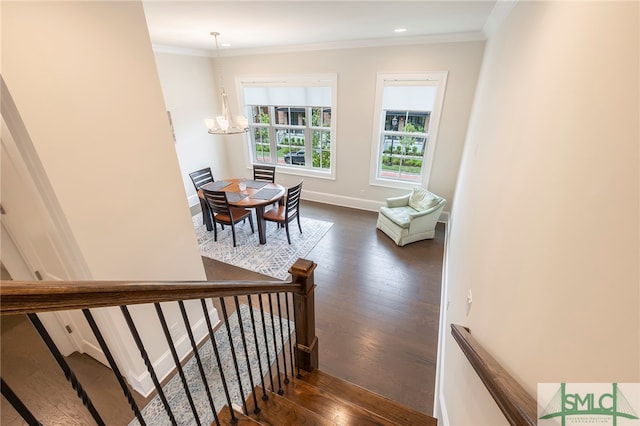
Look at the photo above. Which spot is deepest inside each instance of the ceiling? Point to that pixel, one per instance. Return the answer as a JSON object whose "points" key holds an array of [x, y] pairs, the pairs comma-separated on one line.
{"points": [[261, 26]]}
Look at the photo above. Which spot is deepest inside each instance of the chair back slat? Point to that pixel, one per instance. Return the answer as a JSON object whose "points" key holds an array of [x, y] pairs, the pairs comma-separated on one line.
{"points": [[201, 177], [217, 201], [264, 173], [222, 213], [293, 200]]}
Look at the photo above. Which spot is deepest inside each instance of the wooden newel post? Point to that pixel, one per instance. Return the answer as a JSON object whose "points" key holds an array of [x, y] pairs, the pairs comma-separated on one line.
{"points": [[305, 313]]}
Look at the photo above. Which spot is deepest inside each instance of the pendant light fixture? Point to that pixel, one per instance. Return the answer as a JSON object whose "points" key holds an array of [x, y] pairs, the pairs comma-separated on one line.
{"points": [[225, 124]]}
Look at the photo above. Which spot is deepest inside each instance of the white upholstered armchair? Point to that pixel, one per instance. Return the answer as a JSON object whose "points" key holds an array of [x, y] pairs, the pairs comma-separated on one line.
{"points": [[411, 217]]}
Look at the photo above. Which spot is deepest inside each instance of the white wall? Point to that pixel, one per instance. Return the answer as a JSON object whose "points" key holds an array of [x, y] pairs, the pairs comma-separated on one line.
{"points": [[545, 229], [189, 91], [84, 80], [357, 70]]}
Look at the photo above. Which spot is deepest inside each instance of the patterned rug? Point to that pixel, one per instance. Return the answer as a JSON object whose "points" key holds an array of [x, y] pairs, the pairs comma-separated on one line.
{"points": [[154, 412], [273, 258]]}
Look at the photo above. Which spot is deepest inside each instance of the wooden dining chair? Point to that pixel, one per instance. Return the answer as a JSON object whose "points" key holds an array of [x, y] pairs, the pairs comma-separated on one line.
{"points": [[224, 214], [264, 173], [199, 178], [288, 210]]}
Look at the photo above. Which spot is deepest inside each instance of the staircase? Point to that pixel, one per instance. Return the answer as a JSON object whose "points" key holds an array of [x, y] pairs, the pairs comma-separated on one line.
{"points": [[317, 398], [309, 397]]}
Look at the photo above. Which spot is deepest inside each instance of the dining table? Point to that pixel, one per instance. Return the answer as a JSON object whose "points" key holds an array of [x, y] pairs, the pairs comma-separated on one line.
{"points": [[246, 194]]}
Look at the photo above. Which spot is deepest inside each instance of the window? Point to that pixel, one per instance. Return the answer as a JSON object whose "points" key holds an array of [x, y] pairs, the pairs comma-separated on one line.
{"points": [[405, 127], [291, 122]]}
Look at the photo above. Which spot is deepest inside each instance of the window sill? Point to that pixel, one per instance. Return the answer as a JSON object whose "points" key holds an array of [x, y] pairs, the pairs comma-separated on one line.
{"points": [[296, 171], [388, 183]]}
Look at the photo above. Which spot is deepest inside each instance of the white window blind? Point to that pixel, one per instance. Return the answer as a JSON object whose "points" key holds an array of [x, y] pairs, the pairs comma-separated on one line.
{"points": [[410, 96], [288, 95]]}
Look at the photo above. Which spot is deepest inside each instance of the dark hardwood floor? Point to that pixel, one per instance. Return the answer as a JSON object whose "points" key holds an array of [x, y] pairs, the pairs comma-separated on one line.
{"points": [[377, 307], [377, 311], [377, 304]]}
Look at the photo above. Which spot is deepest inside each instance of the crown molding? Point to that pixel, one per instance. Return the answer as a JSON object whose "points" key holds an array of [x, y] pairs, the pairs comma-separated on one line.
{"points": [[500, 11], [353, 44], [158, 48]]}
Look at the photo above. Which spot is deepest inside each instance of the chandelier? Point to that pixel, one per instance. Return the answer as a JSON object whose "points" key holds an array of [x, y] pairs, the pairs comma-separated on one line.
{"points": [[225, 124]]}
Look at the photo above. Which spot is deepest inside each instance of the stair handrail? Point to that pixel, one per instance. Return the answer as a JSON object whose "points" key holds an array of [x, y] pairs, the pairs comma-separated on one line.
{"points": [[31, 297], [518, 407], [21, 297]]}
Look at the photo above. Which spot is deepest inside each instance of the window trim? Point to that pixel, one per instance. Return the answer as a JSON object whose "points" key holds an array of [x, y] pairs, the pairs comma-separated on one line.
{"points": [[327, 79], [440, 80]]}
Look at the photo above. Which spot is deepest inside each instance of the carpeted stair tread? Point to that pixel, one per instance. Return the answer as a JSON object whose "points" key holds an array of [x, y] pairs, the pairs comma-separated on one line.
{"points": [[330, 405], [225, 418], [378, 404], [279, 411]]}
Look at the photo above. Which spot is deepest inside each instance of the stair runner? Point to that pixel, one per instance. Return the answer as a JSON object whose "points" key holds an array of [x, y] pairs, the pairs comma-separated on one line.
{"points": [[321, 399]]}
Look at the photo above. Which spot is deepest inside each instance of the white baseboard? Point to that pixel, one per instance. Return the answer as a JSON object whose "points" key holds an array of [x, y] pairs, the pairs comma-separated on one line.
{"points": [[94, 352], [342, 201], [193, 200], [439, 404], [444, 217], [322, 197], [354, 203], [338, 200], [164, 365], [440, 411]]}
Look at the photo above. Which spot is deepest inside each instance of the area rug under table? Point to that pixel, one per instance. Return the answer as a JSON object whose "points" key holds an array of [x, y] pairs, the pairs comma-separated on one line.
{"points": [[273, 258]]}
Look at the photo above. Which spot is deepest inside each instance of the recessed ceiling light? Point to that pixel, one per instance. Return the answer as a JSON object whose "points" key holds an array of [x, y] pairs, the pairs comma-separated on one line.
{"points": [[399, 30]]}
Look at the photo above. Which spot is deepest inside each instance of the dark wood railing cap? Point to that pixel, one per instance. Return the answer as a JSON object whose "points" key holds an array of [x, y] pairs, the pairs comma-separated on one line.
{"points": [[302, 267], [19, 297], [302, 272]]}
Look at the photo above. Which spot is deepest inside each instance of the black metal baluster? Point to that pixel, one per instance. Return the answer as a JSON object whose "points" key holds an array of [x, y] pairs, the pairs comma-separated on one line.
{"points": [[275, 347], [147, 362], [256, 409], [286, 302], [233, 354], [176, 359], [114, 366], [18, 405], [266, 343], [68, 374], [295, 326], [194, 346], [212, 336], [255, 339], [284, 350]]}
